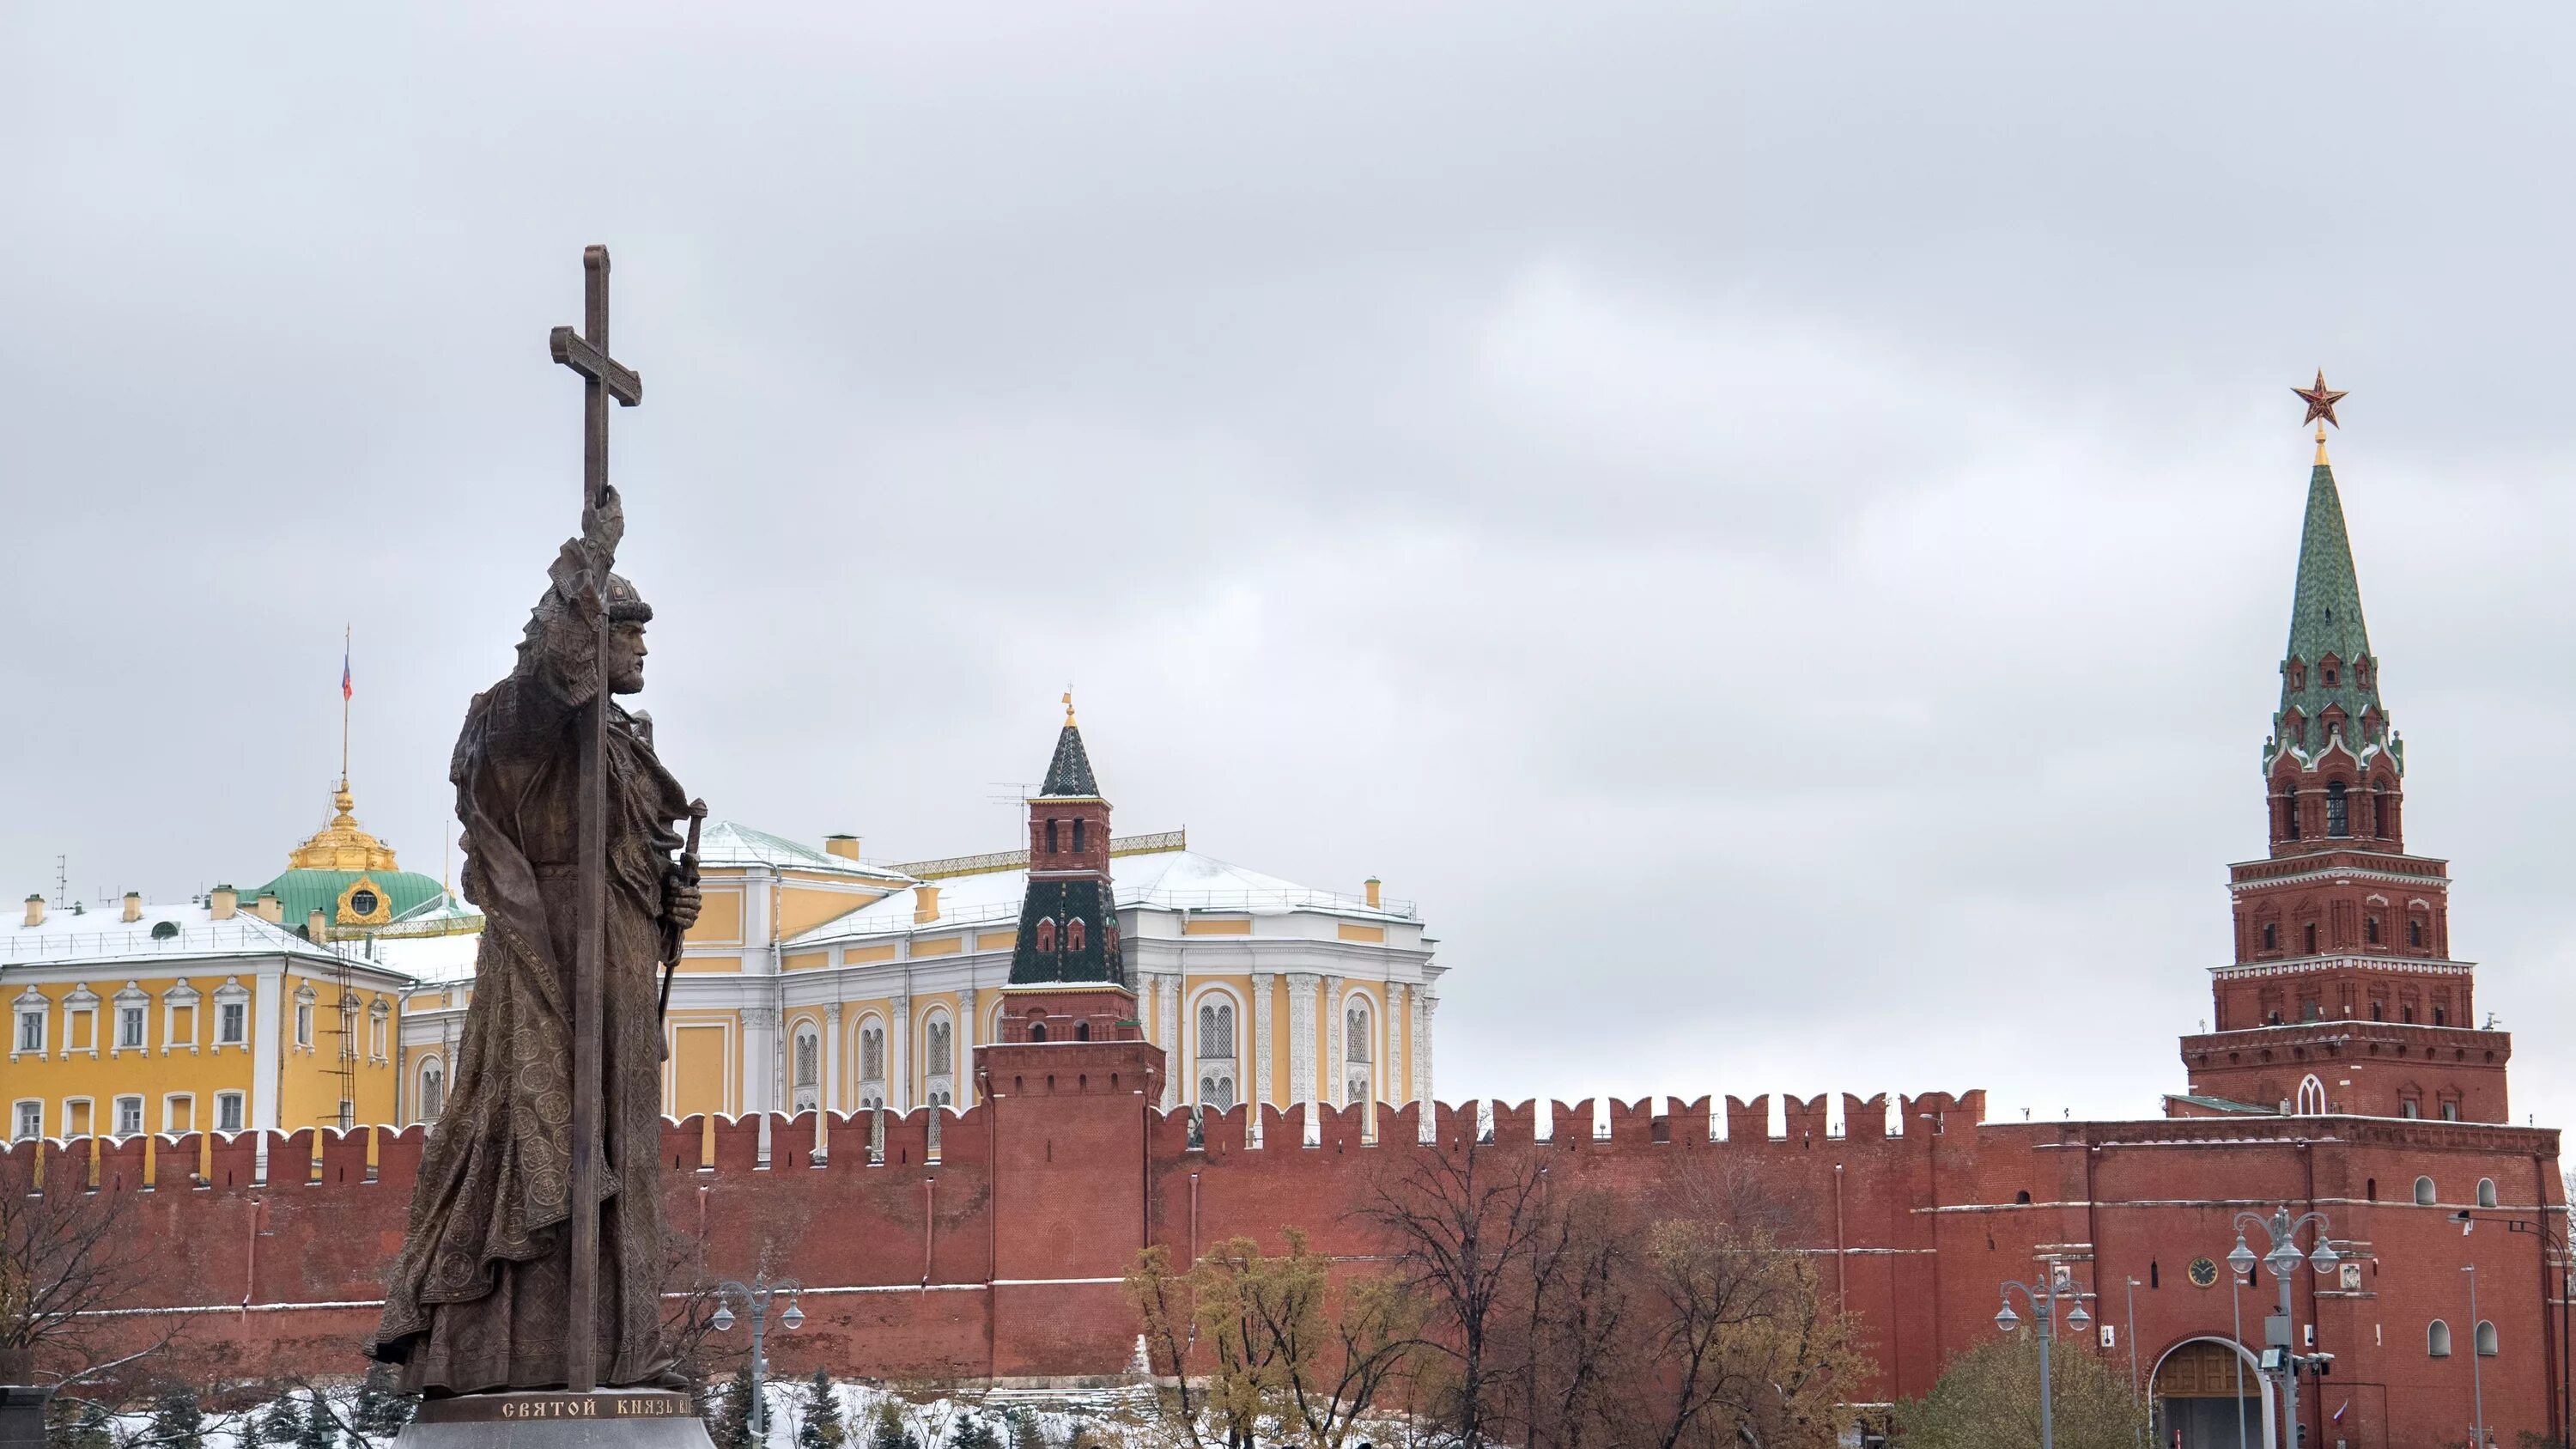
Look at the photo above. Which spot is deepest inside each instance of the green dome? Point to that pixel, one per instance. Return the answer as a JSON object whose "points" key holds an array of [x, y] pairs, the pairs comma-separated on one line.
{"points": [[301, 892]]}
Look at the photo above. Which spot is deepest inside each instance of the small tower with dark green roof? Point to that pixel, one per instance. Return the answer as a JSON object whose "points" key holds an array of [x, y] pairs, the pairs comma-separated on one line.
{"points": [[1068, 967]]}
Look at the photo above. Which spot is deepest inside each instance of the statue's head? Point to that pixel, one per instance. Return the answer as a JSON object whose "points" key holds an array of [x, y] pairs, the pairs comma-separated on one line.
{"points": [[558, 641], [627, 616]]}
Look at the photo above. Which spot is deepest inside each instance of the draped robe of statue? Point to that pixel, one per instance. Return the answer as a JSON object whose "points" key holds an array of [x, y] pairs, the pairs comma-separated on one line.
{"points": [[478, 1298]]}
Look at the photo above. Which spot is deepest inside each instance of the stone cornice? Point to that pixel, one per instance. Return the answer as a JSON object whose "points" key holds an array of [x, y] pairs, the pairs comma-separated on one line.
{"points": [[2238, 883], [2318, 965]]}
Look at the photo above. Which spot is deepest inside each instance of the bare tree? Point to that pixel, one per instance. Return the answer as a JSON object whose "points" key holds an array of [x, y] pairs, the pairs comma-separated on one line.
{"points": [[66, 1254], [1462, 1221]]}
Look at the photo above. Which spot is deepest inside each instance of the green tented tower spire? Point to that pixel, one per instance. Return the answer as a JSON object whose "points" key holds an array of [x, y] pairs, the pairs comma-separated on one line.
{"points": [[2329, 677]]}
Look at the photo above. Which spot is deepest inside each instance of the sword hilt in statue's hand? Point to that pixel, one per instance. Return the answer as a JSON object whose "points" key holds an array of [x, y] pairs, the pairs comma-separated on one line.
{"points": [[688, 873]]}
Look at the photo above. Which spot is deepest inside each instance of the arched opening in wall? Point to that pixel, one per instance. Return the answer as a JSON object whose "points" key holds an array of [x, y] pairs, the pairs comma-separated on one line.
{"points": [[2370, 930], [2206, 1392], [2424, 1194], [2289, 815], [1046, 935], [808, 1069], [2437, 1339], [1037, 1032], [2022, 1197], [1214, 1050], [2370, 1189], [1082, 1031], [938, 1059], [2415, 934], [872, 1062], [1073, 934], [1051, 840], [2312, 1096], [2486, 1192], [2312, 937], [2338, 810], [2486, 1339], [433, 1089], [1077, 835], [2155, 1274], [2271, 936], [1357, 1085], [2379, 810]]}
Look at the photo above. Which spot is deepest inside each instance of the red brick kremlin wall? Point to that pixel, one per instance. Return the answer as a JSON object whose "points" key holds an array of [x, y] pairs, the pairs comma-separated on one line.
{"points": [[1000, 1253]]}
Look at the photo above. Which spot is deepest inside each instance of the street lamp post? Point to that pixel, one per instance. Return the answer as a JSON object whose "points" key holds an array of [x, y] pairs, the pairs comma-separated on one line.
{"points": [[2132, 1331], [2477, 1383], [2236, 1319], [755, 1297], [2056, 1283], [2281, 1256], [2553, 1240]]}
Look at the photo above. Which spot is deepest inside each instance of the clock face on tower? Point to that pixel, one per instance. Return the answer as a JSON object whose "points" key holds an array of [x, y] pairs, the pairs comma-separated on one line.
{"points": [[2203, 1272]]}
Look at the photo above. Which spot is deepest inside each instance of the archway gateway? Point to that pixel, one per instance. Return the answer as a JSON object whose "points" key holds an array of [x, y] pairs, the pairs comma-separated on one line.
{"points": [[2195, 1393]]}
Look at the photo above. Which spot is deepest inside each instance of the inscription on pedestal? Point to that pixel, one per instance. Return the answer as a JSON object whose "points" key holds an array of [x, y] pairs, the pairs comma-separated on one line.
{"points": [[606, 1404]]}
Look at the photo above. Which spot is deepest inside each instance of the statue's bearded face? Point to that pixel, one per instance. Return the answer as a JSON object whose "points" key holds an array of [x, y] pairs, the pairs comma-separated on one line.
{"points": [[626, 656]]}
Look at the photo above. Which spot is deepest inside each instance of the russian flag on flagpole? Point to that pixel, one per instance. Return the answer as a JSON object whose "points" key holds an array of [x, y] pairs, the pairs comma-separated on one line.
{"points": [[344, 669]]}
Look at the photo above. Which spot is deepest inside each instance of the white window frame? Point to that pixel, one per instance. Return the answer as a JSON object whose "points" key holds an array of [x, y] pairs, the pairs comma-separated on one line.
{"points": [[804, 1047], [1359, 1048], [229, 1010], [181, 997], [938, 1088], [68, 1104], [18, 1119], [377, 1015], [81, 1002], [305, 996], [872, 1089], [2312, 1097], [1207, 1068], [240, 1113], [119, 1105], [132, 1013], [31, 1003], [170, 1102], [422, 1109], [2486, 1192]]}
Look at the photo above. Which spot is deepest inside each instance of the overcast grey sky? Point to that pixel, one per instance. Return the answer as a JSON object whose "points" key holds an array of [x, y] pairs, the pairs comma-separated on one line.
{"points": [[1774, 523]]}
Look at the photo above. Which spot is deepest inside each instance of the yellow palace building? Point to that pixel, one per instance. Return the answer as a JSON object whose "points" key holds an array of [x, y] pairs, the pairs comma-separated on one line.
{"points": [[334, 994], [816, 979]]}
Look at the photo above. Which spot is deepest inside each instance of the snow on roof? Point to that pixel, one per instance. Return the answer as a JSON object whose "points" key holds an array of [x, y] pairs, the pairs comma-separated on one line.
{"points": [[1163, 880], [725, 843], [433, 959], [183, 929]]}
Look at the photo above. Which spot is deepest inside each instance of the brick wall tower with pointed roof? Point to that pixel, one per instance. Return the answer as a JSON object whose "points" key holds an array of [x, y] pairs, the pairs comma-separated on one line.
{"points": [[1068, 967], [2342, 995]]}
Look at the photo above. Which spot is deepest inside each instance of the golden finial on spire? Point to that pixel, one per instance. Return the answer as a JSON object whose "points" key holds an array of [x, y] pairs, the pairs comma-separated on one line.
{"points": [[2321, 445], [1068, 706]]}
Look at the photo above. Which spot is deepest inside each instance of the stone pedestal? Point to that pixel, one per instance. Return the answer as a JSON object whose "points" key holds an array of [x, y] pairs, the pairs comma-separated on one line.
{"points": [[644, 1418], [22, 1416]]}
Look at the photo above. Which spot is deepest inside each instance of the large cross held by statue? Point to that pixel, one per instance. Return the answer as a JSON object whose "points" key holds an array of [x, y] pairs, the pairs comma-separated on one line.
{"points": [[603, 377]]}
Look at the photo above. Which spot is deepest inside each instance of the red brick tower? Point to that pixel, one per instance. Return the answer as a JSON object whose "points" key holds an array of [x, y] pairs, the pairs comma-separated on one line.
{"points": [[2342, 996], [1069, 1087]]}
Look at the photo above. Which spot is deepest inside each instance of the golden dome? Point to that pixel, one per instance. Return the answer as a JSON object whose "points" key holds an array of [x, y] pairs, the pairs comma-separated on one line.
{"points": [[341, 845]]}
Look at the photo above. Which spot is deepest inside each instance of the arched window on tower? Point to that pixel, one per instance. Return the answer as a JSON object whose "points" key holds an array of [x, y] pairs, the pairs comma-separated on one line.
{"points": [[1073, 934], [1077, 835], [1046, 935], [2289, 815], [1051, 837], [2312, 1097], [2437, 1340], [2379, 809], [2271, 936], [2312, 937], [2338, 810], [2370, 929]]}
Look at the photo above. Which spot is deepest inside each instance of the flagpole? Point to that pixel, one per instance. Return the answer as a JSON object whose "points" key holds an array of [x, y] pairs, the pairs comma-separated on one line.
{"points": [[344, 707]]}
